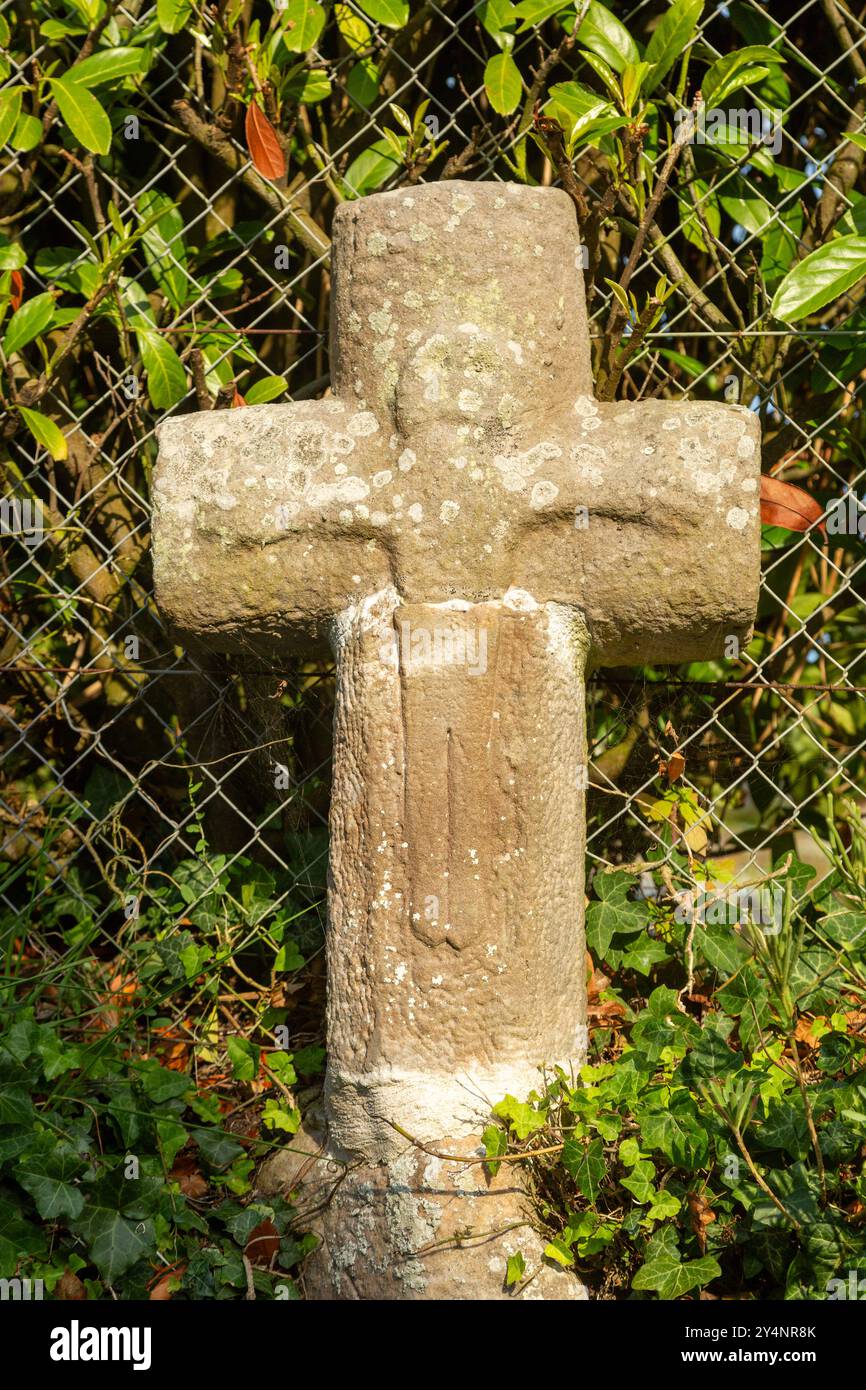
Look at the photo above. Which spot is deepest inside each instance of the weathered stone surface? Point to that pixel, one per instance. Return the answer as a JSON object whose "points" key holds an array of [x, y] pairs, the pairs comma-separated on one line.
{"points": [[469, 531]]}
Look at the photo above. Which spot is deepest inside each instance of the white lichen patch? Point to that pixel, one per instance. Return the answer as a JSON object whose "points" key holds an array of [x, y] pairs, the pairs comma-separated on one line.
{"points": [[406, 460], [543, 493], [362, 424], [737, 518], [448, 511]]}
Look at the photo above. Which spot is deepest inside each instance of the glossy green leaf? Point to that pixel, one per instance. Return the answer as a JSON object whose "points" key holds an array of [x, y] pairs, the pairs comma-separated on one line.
{"points": [[10, 109], [166, 378], [302, 21], [108, 64], [83, 114], [605, 35], [392, 13], [173, 15], [503, 84], [821, 277], [735, 70], [34, 316], [265, 390], [45, 432], [670, 37], [371, 168]]}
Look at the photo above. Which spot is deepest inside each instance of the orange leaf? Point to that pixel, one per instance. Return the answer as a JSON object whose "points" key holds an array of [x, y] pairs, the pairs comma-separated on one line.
{"points": [[782, 504], [265, 149], [673, 768], [237, 399], [263, 1244], [17, 290]]}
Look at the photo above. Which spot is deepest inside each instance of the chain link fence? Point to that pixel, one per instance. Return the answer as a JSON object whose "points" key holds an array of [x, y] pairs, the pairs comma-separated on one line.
{"points": [[129, 763]]}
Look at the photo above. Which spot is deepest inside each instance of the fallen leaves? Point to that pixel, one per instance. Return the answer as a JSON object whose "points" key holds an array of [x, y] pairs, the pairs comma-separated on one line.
{"points": [[782, 504], [265, 149], [263, 1243]]}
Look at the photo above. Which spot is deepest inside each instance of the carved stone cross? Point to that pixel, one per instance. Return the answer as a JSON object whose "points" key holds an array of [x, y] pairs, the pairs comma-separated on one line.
{"points": [[470, 531]]}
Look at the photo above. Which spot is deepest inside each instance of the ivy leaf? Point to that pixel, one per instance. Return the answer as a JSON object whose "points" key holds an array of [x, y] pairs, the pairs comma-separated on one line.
{"points": [[503, 83], [515, 1269], [114, 1243], [522, 1118], [16, 1107], [677, 1133], [47, 1177], [616, 912], [559, 1251], [640, 1181], [820, 277], [667, 1276], [586, 1165], [83, 114], [495, 1141]]}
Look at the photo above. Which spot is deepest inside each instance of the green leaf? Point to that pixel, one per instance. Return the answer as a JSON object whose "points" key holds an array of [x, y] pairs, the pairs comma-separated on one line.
{"points": [[821, 277], [27, 133], [265, 390], [166, 378], [307, 86], [498, 16], [640, 1181], [28, 322], [736, 70], [83, 114], [495, 1141], [244, 1058], [371, 168], [559, 1251], [603, 33], [45, 432], [114, 1243], [362, 84], [10, 109], [669, 38], [699, 209], [616, 912], [503, 83], [109, 64], [12, 254], [307, 20], [534, 12], [665, 1273], [47, 1177], [392, 13], [514, 1269], [677, 1132], [586, 1165], [163, 246], [16, 1107], [522, 1118], [173, 15]]}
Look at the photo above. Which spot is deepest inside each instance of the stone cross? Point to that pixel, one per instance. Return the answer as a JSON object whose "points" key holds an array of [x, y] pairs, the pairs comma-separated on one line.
{"points": [[470, 531]]}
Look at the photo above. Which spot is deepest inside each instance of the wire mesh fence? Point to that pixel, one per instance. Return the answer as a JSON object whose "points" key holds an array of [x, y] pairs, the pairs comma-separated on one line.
{"points": [[129, 764]]}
